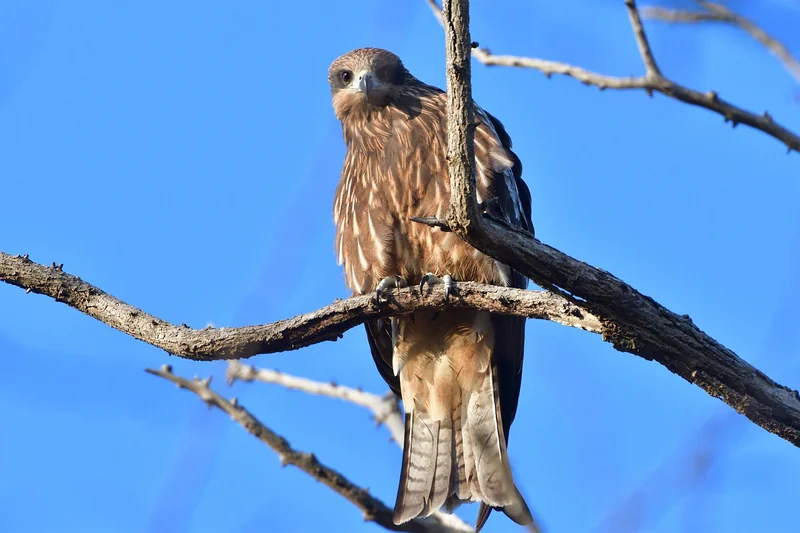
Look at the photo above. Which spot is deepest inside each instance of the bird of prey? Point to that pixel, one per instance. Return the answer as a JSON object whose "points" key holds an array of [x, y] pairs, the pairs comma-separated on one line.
{"points": [[457, 371]]}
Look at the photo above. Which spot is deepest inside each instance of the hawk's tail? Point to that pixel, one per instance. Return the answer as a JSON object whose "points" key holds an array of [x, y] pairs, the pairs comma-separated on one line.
{"points": [[454, 448]]}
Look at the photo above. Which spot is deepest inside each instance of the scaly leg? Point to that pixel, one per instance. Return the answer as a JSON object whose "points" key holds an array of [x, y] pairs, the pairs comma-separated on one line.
{"points": [[431, 279], [390, 282]]}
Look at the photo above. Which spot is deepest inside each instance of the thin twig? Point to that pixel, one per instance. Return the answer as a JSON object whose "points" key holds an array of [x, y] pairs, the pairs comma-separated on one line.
{"points": [[385, 409], [718, 13], [328, 323], [649, 83], [641, 41], [372, 508]]}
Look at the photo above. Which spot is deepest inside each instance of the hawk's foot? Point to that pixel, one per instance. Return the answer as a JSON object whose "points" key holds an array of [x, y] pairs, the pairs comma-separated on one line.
{"points": [[390, 282], [431, 279]]}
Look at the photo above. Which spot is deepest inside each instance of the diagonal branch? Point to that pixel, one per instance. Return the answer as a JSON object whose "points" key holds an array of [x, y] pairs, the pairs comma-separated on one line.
{"points": [[385, 409], [641, 41], [649, 83], [633, 322], [328, 323], [373, 509], [714, 12]]}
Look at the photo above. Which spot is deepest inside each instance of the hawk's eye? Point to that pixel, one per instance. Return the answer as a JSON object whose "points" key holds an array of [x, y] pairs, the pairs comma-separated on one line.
{"points": [[346, 76]]}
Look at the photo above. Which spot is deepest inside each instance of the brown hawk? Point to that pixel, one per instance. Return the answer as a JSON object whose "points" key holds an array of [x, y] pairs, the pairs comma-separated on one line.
{"points": [[457, 371]]}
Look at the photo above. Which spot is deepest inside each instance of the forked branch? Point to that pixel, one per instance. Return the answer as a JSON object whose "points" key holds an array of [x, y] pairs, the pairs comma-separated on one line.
{"points": [[372, 508], [718, 13], [652, 81], [385, 409]]}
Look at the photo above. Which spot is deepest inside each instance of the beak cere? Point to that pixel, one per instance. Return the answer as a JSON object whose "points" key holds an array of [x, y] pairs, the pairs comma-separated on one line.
{"points": [[365, 83]]}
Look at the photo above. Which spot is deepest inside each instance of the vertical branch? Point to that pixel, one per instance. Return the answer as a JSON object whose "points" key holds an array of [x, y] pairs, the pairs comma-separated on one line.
{"points": [[463, 209]]}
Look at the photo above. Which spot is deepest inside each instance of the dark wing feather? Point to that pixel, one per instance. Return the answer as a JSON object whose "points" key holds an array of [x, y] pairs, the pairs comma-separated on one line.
{"points": [[504, 196], [379, 336], [509, 331]]}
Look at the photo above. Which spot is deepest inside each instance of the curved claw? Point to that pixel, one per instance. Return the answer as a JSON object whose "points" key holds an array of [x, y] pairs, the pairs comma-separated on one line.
{"points": [[389, 282], [425, 279], [431, 279], [449, 287]]}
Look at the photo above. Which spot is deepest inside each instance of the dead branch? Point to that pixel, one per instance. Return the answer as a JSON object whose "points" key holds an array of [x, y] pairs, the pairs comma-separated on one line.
{"points": [[632, 322], [651, 69], [718, 13], [328, 323], [373, 509], [595, 300], [385, 409], [629, 320], [652, 81]]}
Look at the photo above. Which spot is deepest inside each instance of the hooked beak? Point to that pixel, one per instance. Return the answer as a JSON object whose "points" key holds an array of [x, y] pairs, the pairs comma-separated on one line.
{"points": [[366, 83]]}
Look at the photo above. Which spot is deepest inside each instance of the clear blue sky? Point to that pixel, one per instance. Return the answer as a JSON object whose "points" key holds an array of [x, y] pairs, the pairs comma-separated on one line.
{"points": [[183, 156]]}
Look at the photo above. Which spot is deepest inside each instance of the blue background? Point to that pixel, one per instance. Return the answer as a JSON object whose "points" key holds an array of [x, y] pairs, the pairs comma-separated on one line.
{"points": [[183, 156]]}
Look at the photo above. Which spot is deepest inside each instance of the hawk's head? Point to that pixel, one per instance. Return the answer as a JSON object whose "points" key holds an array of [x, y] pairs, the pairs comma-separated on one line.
{"points": [[364, 78]]}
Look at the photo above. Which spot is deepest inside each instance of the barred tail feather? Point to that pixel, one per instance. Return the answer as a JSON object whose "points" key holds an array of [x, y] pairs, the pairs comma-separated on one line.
{"points": [[443, 475], [460, 457], [515, 507], [426, 478]]}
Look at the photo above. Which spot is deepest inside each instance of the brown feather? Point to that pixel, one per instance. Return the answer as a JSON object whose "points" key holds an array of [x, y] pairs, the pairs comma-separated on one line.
{"points": [[457, 372]]}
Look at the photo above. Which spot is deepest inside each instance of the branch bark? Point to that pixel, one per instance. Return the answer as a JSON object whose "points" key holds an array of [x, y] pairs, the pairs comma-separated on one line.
{"points": [[460, 117], [373, 509], [632, 322], [652, 81], [328, 323]]}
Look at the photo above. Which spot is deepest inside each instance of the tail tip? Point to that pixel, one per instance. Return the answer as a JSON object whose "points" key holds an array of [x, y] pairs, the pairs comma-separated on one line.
{"points": [[517, 511]]}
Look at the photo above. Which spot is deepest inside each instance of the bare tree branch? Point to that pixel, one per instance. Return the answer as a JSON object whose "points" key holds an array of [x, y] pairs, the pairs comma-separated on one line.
{"points": [[714, 12], [596, 301], [373, 509], [385, 409], [641, 41], [651, 82], [629, 320], [633, 322], [328, 323], [460, 117], [601, 303]]}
